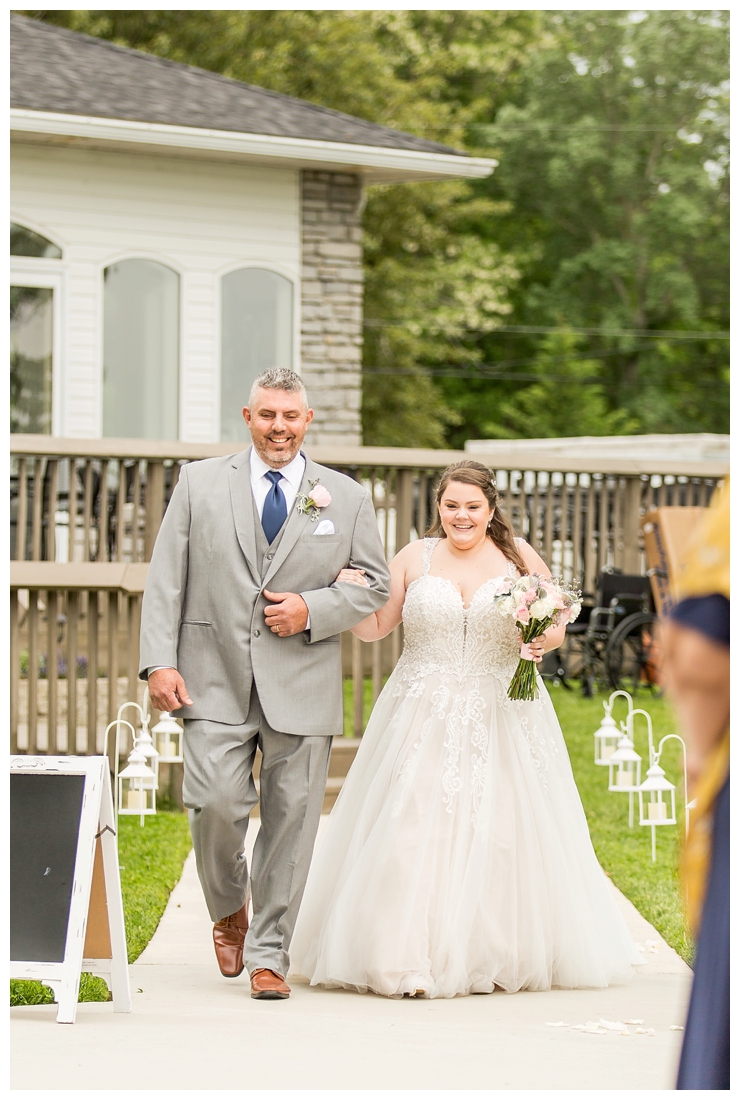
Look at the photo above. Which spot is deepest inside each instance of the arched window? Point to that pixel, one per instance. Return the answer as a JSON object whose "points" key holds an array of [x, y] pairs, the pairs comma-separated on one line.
{"points": [[141, 350], [256, 334], [24, 242]]}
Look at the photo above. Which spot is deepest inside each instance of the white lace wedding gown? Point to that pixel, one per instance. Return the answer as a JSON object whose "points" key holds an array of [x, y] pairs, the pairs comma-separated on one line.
{"points": [[457, 857]]}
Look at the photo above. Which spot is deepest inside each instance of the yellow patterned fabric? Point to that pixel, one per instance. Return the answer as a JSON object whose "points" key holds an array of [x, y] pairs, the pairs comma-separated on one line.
{"points": [[706, 572], [707, 561]]}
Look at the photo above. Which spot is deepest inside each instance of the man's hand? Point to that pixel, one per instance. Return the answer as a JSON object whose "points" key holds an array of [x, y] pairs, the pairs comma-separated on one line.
{"points": [[167, 690], [287, 613]]}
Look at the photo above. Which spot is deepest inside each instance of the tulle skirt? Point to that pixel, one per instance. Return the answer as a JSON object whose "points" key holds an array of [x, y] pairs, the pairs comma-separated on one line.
{"points": [[457, 858]]}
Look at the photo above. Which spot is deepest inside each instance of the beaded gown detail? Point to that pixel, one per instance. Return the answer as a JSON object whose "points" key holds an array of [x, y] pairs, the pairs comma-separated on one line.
{"points": [[457, 858]]}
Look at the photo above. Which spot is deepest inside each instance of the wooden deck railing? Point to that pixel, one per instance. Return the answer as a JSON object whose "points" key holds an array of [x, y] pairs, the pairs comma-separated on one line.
{"points": [[85, 515]]}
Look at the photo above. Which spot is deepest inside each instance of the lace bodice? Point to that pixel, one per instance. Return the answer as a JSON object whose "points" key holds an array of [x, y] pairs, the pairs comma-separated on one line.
{"points": [[442, 635]]}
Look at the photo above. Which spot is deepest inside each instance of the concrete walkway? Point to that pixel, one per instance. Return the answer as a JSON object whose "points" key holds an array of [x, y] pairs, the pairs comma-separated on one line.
{"points": [[192, 1029]]}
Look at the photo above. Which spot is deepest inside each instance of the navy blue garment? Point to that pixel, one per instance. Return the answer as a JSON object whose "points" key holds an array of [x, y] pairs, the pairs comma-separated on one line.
{"points": [[705, 1055], [275, 510], [709, 615]]}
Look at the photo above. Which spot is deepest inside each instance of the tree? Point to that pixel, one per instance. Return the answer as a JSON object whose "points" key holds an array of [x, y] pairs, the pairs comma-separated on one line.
{"points": [[614, 172], [567, 398]]}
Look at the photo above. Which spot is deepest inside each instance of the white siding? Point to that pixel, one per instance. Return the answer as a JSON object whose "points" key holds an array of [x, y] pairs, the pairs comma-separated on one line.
{"points": [[200, 218]]}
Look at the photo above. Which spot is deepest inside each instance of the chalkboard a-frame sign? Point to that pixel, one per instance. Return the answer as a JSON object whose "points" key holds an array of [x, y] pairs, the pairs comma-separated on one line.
{"points": [[66, 912]]}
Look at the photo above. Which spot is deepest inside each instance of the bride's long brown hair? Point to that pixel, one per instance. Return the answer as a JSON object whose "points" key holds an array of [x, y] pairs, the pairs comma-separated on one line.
{"points": [[499, 530]]}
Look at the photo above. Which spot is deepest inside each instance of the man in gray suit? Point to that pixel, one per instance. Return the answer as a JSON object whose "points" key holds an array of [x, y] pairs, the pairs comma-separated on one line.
{"points": [[240, 633]]}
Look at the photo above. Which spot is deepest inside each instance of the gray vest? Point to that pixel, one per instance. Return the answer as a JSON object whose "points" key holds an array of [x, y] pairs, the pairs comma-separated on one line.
{"points": [[265, 552]]}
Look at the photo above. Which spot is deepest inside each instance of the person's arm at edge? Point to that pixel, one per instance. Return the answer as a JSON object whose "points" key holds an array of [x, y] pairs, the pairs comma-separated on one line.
{"points": [[162, 604], [554, 636], [385, 619]]}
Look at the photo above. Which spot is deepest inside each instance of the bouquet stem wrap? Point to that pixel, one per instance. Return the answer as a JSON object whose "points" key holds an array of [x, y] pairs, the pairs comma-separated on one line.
{"points": [[524, 681]]}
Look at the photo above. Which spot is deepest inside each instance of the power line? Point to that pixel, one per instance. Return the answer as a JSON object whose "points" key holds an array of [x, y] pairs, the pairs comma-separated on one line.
{"points": [[544, 330], [492, 127], [502, 376], [495, 371]]}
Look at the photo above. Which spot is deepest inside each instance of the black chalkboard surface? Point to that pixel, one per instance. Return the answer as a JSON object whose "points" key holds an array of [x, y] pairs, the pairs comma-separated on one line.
{"points": [[45, 813]]}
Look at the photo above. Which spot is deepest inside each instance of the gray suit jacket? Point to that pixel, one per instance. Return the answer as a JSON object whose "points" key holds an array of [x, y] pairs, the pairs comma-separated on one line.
{"points": [[203, 606]]}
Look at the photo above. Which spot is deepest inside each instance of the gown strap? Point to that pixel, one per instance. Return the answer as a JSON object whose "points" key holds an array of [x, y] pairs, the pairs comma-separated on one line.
{"points": [[426, 562]]}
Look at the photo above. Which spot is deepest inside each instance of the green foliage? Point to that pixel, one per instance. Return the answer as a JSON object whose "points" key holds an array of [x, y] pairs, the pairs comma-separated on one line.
{"points": [[151, 860], [567, 399], [624, 853], [609, 209], [614, 169]]}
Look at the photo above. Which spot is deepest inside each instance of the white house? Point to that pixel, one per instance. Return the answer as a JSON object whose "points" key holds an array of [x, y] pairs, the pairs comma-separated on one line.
{"points": [[174, 232]]}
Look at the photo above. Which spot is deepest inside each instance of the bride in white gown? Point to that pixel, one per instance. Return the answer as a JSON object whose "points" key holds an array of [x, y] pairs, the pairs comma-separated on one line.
{"points": [[457, 858]]}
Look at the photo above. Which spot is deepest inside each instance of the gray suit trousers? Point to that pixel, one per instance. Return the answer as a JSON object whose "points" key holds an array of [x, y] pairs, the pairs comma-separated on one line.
{"points": [[219, 792]]}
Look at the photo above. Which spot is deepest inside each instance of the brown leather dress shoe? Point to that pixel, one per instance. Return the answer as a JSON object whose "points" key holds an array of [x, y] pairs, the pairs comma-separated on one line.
{"points": [[269, 986], [228, 939]]}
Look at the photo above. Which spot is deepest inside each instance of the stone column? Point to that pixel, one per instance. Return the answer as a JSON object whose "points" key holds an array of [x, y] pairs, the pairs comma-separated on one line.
{"points": [[331, 304]]}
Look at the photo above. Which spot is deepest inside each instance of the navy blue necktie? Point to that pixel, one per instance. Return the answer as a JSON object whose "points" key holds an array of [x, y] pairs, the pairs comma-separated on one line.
{"points": [[275, 510]]}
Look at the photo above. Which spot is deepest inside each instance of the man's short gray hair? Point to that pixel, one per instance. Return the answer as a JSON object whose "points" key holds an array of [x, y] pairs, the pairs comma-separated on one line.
{"points": [[278, 378]]}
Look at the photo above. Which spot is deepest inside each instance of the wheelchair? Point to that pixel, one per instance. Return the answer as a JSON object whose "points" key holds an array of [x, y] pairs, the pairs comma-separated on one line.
{"points": [[612, 642]]}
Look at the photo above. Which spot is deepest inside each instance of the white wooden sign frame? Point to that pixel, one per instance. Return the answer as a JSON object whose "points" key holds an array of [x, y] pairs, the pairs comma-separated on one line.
{"points": [[97, 822]]}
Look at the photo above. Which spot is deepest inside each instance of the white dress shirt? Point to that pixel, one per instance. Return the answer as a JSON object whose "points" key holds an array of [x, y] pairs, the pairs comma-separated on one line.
{"points": [[289, 485], [261, 485]]}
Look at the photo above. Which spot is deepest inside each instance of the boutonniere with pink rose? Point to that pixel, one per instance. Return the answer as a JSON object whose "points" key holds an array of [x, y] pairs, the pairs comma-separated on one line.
{"points": [[311, 503]]}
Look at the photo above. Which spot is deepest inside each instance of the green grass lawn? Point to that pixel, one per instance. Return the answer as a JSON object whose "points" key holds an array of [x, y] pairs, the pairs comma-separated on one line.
{"points": [[624, 853], [151, 860]]}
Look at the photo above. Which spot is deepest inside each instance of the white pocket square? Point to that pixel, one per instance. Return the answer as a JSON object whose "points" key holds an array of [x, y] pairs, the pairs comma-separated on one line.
{"points": [[326, 527]]}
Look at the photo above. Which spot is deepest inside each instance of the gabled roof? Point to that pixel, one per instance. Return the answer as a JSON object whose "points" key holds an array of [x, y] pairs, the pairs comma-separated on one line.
{"points": [[58, 71]]}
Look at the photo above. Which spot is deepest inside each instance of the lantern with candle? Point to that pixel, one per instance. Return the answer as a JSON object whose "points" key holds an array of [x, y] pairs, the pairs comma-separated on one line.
{"points": [[624, 771], [660, 808], [607, 736], [137, 786], [168, 739], [143, 739]]}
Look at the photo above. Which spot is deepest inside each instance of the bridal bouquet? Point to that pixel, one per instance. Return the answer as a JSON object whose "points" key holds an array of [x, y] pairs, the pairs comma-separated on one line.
{"points": [[535, 604]]}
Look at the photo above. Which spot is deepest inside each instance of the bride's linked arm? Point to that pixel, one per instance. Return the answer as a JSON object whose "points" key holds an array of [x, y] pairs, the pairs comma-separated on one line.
{"points": [[381, 623], [554, 635]]}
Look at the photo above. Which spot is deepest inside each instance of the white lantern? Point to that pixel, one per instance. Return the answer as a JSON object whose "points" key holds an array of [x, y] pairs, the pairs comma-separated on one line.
{"points": [[168, 739], [660, 807], [137, 786], [606, 738], [145, 745], [624, 772]]}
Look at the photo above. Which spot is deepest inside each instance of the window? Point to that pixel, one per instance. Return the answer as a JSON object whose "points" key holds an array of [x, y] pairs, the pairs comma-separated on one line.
{"points": [[141, 350], [33, 330], [31, 350], [24, 242], [256, 334]]}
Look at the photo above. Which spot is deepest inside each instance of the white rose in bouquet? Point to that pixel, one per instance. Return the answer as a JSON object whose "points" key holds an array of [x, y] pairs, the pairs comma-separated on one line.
{"points": [[542, 608], [506, 606]]}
